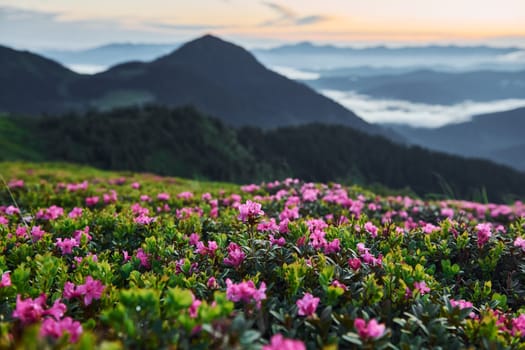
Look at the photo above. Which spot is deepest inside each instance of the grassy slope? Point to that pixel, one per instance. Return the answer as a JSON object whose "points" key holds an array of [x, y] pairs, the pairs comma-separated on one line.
{"points": [[16, 142], [56, 172]]}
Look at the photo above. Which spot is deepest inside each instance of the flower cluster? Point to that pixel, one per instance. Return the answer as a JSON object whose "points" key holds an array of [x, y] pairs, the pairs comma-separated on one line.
{"points": [[142, 261]]}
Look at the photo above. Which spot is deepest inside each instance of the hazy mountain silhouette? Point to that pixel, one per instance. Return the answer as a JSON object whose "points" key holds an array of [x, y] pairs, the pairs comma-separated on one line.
{"points": [[30, 83], [306, 55], [496, 136], [432, 87], [110, 54], [219, 78]]}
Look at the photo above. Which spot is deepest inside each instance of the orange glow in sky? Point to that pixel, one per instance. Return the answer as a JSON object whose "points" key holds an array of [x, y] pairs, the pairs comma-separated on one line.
{"points": [[338, 21]]}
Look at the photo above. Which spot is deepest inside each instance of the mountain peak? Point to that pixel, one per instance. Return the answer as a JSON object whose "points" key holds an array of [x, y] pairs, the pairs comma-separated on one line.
{"points": [[212, 53]]}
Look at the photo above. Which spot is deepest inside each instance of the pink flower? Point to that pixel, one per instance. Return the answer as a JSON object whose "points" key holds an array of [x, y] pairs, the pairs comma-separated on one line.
{"points": [[135, 185], [317, 239], [250, 211], [266, 226], [143, 219], [194, 307], [110, 197], [421, 287], [57, 328], [250, 188], [3, 220], [80, 233], [462, 304], [372, 330], [371, 228], [12, 210], [278, 342], [332, 247], [194, 239], [91, 289], [289, 214], [126, 256], [163, 196], [6, 280], [21, 231], [484, 233], [15, 183], [246, 292], [144, 258], [354, 263], [75, 213], [70, 291], [92, 201], [29, 311], [307, 305], [518, 325], [57, 310], [212, 283], [66, 245], [37, 233], [338, 284], [520, 242], [185, 195], [235, 255], [279, 242], [429, 228]]}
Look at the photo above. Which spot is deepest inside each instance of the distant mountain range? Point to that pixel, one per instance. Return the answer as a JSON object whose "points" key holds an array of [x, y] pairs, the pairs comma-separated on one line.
{"points": [[496, 136], [432, 87], [327, 57], [111, 54], [307, 47], [219, 78]]}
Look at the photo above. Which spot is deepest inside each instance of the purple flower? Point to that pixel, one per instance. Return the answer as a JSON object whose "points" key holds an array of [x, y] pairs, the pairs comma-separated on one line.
{"points": [[371, 228], [520, 242], [66, 245], [278, 342], [484, 233], [372, 330], [91, 289], [235, 255], [250, 211], [246, 292], [75, 213], [185, 195], [92, 201], [37, 233], [163, 196], [307, 305], [57, 328], [144, 258], [354, 263], [422, 287], [6, 280], [57, 310], [28, 310]]}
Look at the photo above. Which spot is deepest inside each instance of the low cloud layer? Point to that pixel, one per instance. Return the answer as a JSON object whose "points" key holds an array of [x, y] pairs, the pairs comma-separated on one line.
{"points": [[383, 111]]}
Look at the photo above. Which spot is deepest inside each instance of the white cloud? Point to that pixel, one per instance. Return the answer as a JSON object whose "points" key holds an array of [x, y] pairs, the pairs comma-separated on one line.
{"points": [[417, 114], [287, 16]]}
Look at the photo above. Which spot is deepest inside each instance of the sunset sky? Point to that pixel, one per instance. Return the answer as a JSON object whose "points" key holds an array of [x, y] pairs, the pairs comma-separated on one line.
{"points": [[254, 23]]}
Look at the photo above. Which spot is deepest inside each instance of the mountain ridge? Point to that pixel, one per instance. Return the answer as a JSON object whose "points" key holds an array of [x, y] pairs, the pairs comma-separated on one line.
{"points": [[218, 77]]}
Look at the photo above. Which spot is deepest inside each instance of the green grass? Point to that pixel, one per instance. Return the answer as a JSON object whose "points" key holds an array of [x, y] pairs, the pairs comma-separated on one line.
{"points": [[59, 171], [16, 142]]}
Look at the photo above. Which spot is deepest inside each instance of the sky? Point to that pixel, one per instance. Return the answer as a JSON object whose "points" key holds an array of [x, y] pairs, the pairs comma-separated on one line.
{"points": [[74, 24]]}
